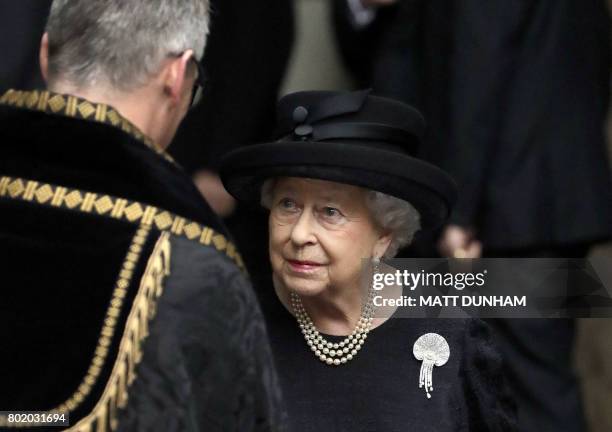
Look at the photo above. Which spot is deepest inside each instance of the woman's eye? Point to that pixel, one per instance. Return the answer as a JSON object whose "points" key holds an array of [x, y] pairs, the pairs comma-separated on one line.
{"points": [[331, 213], [287, 204]]}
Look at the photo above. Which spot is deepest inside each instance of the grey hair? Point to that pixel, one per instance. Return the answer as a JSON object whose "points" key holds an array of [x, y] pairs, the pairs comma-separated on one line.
{"points": [[121, 43], [392, 214], [395, 215]]}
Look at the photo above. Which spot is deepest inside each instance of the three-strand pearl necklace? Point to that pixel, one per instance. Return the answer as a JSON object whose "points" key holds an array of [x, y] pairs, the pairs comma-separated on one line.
{"points": [[328, 352]]}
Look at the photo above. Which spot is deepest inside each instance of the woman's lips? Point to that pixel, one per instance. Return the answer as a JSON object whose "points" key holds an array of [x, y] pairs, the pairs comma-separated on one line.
{"points": [[303, 266]]}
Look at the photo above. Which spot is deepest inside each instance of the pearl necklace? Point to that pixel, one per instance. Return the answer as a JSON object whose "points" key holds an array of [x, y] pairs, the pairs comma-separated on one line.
{"points": [[328, 352]]}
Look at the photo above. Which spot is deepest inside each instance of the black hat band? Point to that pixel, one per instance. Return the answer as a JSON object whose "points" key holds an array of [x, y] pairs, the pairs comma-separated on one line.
{"points": [[403, 140]]}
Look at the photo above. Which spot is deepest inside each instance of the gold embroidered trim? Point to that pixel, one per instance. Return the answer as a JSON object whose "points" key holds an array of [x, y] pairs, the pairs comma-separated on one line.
{"points": [[135, 330], [110, 321], [72, 106], [116, 208], [103, 417]]}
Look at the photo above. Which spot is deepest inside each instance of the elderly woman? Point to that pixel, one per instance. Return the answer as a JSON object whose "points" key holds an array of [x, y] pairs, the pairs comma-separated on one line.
{"points": [[342, 185]]}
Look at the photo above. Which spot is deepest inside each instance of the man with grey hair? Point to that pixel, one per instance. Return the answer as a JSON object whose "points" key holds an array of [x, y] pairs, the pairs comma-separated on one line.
{"points": [[128, 308]]}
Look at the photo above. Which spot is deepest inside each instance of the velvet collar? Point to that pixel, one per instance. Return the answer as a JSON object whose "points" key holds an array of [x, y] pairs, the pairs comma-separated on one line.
{"points": [[71, 142], [75, 107]]}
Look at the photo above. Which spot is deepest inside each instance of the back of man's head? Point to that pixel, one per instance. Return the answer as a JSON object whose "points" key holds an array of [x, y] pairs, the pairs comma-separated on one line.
{"points": [[121, 43]]}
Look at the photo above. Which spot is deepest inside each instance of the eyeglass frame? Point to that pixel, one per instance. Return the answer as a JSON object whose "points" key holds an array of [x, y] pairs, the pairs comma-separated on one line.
{"points": [[200, 82]]}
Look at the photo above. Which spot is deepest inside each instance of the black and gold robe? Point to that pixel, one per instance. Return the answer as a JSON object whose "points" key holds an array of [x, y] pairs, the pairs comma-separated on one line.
{"points": [[123, 302]]}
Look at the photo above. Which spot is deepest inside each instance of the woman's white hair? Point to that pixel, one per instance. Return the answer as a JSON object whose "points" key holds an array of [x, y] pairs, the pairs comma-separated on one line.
{"points": [[121, 43], [393, 215]]}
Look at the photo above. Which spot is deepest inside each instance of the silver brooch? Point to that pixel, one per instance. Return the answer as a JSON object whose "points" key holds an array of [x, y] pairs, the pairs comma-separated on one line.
{"points": [[432, 349]]}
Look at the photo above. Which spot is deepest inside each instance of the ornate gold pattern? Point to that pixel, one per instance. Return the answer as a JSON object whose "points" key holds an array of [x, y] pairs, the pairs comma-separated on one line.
{"points": [[115, 395], [116, 208], [72, 106], [110, 322], [103, 417]]}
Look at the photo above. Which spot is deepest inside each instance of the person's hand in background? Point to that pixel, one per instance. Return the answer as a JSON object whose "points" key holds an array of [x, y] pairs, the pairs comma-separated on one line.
{"points": [[459, 242], [212, 189], [363, 12]]}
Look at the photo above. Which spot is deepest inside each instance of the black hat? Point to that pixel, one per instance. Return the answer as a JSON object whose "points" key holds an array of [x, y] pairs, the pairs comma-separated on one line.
{"points": [[351, 138]]}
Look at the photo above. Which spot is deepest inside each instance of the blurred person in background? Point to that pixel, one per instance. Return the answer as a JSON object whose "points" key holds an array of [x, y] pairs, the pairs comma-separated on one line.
{"points": [[129, 310], [246, 60], [517, 93]]}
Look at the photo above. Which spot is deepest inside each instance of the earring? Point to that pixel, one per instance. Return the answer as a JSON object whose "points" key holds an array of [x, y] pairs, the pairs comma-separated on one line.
{"points": [[375, 264]]}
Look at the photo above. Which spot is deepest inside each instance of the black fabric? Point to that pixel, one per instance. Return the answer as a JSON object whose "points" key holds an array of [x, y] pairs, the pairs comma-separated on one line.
{"points": [[323, 109], [362, 48], [516, 94], [62, 267], [378, 390], [327, 107], [96, 158], [538, 359], [393, 139], [544, 107], [246, 57], [206, 363], [535, 373]]}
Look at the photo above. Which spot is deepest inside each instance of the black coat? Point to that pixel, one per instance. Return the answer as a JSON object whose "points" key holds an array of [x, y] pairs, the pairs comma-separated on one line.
{"points": [[127, 302], [516, 94], [379, 389]]}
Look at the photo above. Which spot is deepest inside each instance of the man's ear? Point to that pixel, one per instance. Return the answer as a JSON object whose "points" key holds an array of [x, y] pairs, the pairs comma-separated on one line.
{"points": [[44, 57], [174, 77]]}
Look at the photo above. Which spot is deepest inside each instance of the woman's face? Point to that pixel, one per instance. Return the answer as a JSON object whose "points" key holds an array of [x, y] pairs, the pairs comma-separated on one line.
{"points": [[319, 233]]}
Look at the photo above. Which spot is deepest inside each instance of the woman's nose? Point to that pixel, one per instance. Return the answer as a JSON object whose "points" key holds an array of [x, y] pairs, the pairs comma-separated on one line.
{"points": [[303, 231]]}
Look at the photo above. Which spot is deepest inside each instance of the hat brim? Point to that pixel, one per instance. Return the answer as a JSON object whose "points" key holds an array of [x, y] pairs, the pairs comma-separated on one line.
{"points": [[430, 190]]}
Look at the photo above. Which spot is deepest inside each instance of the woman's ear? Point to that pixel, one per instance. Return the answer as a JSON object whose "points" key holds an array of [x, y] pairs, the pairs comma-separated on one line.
{"points": [[382, 244], [44, 57]]}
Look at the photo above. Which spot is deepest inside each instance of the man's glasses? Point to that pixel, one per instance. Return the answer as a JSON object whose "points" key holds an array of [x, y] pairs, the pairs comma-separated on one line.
{"points": [[199, 85]]}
